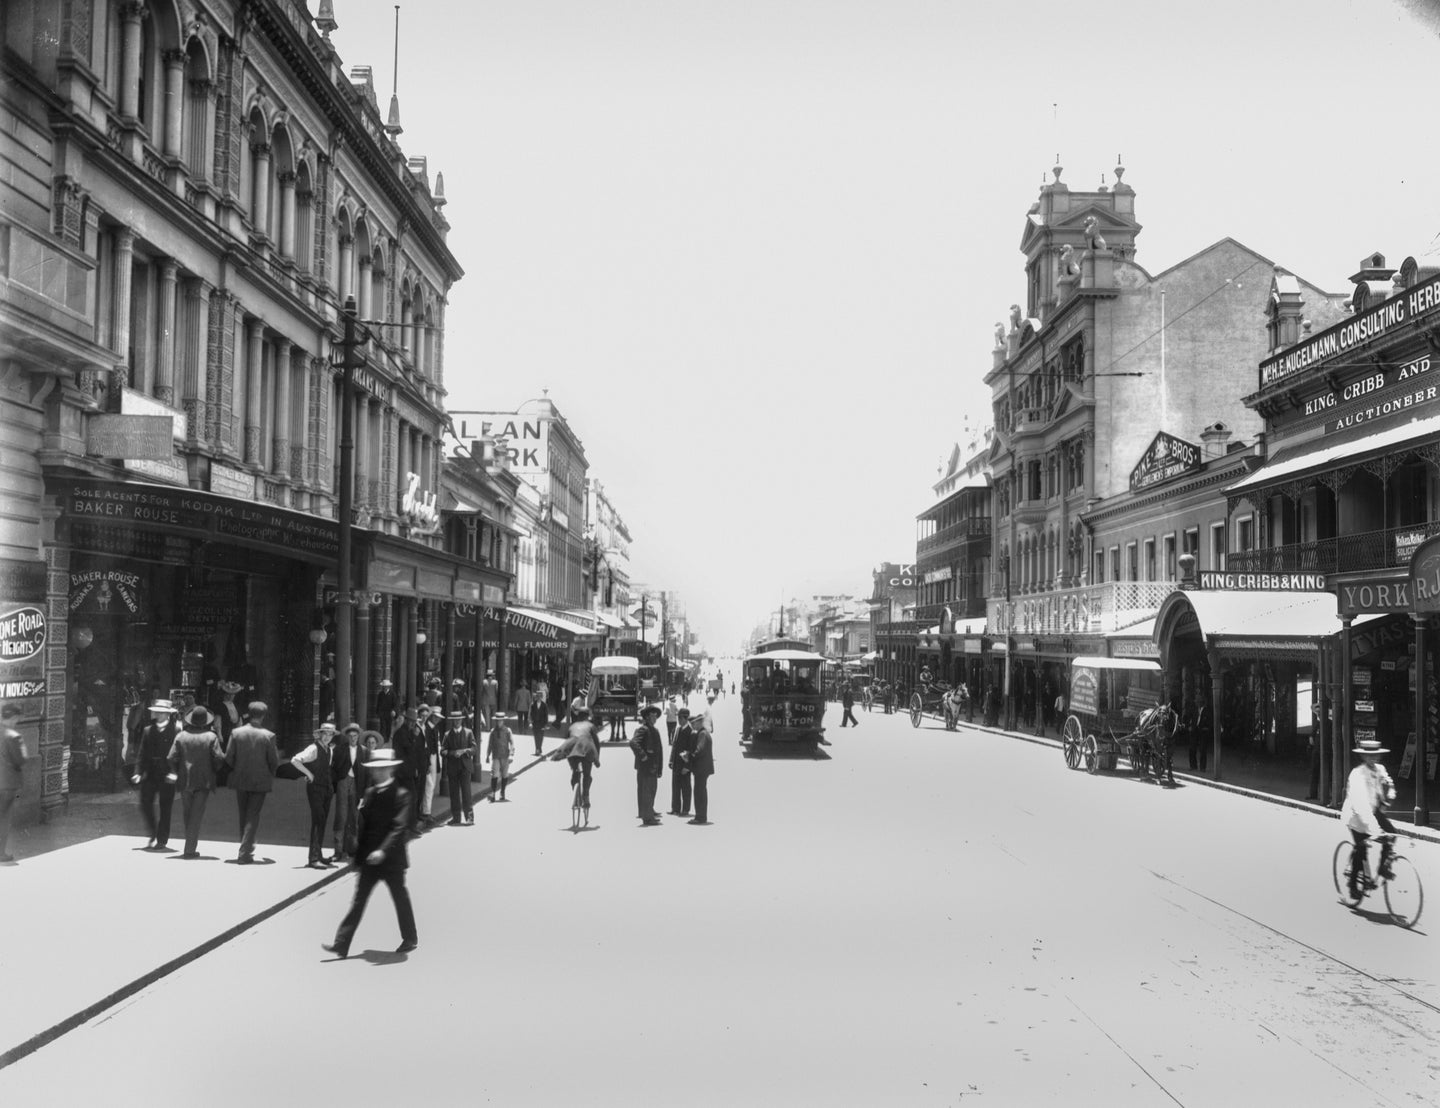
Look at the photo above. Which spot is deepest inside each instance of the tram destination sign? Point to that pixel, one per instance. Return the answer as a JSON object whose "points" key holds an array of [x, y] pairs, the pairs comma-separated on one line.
{"points": [[1263, 582], [1166, 457]]}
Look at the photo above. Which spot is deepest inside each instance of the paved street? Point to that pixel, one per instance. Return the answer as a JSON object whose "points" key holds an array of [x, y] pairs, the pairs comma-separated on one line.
{"points": [[922, 917]]}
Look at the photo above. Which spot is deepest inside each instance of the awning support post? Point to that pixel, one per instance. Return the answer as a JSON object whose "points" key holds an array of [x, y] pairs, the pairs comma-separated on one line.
{"points": [[1422, 731], [1217, 689]]}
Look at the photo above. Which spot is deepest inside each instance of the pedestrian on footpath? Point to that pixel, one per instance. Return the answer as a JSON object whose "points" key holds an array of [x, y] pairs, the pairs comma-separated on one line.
{"points": [[194, 757], [649, 762], [538, 718], [460, 747], [680, 758], [385, 706], [227, 713], [347, 759], [12, 777], [499, 750], [433, 730], [672, 720], [253, 758], [847, 699], [520, 705], [314, 765], [489, 700], [152, 772], [577, 703], [702, 768], [408, 743], [382, 856]]}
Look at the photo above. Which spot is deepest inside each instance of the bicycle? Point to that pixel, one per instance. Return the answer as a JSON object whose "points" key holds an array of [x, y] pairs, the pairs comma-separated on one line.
{"points": [[1404, 894]]}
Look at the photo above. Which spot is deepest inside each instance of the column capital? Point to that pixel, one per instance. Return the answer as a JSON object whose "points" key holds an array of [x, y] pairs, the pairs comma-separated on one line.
{"points": [[169, 269], [174, 59], [260, 149], [124, 238], [133, 11], [287, 179], [255, 326], [365, 261]]}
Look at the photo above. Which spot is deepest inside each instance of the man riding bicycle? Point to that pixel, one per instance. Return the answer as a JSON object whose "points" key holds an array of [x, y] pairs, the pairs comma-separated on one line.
{"points": [[1368, 789], [582, 750]]}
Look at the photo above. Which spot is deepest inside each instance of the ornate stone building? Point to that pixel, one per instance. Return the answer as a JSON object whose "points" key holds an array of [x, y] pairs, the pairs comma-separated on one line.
{"points": [[190, 194]]}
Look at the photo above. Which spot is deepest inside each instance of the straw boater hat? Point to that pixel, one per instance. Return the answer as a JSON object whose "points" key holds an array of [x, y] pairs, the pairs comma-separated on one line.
{"points": [[231, 687], [164, 706], [382, 756], [328, 725], [1370, 746], [386, 683], [347, 728]]}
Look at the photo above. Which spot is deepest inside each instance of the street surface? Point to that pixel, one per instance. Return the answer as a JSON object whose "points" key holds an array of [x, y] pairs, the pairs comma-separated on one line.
{"points": [[919, 917]]}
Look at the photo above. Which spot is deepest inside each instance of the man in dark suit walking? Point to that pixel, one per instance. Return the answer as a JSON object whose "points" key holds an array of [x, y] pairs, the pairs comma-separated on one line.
{"points": [[152, 772], [408, 743], [680, 757], [649, 763], [253, 759], [702, 766], [381, 854], [460, 746]]}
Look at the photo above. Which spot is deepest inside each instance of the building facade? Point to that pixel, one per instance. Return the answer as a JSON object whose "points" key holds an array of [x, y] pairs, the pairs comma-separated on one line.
{"points": [[1102, 357], [194, 197]]}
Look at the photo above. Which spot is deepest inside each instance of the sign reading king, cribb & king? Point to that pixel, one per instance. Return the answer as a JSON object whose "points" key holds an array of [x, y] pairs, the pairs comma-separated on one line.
{"points": [[1264, 582], [1164, 458]]}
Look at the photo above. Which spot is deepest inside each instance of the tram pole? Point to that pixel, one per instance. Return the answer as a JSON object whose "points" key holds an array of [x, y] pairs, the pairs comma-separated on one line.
{"points": [[344, 602]]}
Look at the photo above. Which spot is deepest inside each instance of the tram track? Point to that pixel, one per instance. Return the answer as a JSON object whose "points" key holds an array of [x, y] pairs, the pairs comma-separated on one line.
{"points": [[1387, 982]]}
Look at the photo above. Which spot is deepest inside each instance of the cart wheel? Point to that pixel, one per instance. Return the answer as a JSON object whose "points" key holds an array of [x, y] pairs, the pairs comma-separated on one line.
{"points": [[917, 709], [1091, 750], [1072, 737]]}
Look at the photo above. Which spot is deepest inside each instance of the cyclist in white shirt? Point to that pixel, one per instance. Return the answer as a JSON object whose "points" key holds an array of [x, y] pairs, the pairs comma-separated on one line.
{"points": [[1367, 791]]}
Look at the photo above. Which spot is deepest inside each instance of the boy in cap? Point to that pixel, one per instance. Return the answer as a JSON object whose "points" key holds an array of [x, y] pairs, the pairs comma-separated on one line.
{"points": [[347, 760], [500, 749], [152, 772], [381, 854]]}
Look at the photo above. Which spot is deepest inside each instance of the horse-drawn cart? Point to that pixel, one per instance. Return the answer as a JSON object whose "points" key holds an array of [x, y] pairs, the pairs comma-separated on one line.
{"points": [[1116, 711], [936, 698]]}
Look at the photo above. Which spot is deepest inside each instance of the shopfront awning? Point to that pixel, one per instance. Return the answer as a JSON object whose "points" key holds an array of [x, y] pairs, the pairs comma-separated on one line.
{"points": [[1088, 661], [537, 629], [1293, 463], [1276, 623]]}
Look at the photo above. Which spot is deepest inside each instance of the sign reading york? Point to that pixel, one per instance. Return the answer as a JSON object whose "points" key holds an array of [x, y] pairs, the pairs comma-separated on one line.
{"points": [[22, 634]]}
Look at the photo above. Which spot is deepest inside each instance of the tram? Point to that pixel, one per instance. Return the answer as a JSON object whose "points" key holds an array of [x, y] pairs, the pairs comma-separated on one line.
{"points": [[784, 697]]}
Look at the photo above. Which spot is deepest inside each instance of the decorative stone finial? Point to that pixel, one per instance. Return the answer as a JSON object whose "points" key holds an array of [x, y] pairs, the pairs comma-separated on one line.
{"points": [[437, 197], [1119, 170], [1058, 169], [392, 125], [325, 20]]}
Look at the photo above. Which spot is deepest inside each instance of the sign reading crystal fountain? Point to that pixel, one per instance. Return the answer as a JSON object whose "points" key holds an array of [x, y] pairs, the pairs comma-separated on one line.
{"points": [[525, 441], [421, 513], [1164, 458]]}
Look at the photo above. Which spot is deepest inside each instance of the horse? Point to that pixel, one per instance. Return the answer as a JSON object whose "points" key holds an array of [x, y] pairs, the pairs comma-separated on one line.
{"points": [[1157, 727], [955, 702]]}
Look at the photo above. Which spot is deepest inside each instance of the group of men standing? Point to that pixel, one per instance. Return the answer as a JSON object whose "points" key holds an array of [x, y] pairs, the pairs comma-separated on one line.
{"points": [[691, 762]]}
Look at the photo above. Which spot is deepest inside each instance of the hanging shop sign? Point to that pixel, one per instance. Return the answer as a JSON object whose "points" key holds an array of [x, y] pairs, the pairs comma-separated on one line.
{"points": [[1166, 457], [1263, 582], [22, 633], [419, 509], [1133, 648], [1424, 577], [1374, 324], [107, 592], [942, 574]]}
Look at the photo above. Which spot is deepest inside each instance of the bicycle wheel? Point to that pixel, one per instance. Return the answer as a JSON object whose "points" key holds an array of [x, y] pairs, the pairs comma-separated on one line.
{"points": [[1340, 870], [1072, 737], [1404, 895]]}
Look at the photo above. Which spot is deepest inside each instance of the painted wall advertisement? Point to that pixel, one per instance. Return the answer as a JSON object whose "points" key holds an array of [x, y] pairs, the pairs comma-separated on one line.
{"points": [[24, 634]]}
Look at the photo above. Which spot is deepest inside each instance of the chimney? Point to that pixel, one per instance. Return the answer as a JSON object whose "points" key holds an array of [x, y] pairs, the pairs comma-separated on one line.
{"points": [[1214, 439]]}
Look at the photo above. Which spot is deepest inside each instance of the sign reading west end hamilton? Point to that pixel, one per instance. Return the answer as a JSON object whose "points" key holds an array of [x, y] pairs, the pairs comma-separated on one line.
{"points": [[162, 508], [1164, 458], [1263, 582], [1349, 333]]}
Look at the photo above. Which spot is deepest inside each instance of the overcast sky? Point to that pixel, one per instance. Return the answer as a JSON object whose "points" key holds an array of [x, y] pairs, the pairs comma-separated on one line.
{"points": [[756, 249]]}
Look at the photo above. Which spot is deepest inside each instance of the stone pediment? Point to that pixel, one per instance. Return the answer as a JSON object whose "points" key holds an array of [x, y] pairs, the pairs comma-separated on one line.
{"points": [[1070, 228]]}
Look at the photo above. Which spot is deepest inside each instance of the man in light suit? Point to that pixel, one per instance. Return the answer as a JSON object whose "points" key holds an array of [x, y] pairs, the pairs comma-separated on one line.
{"points": [[381, 854], [194, 757], [253, 759]]}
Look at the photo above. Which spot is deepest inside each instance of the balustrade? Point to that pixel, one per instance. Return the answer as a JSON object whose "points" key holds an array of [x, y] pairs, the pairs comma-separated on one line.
{"points": [[1386, 549]]}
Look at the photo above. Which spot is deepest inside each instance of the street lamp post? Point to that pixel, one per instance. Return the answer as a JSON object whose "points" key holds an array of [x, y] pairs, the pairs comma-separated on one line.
{"points": [[344, 602]]}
